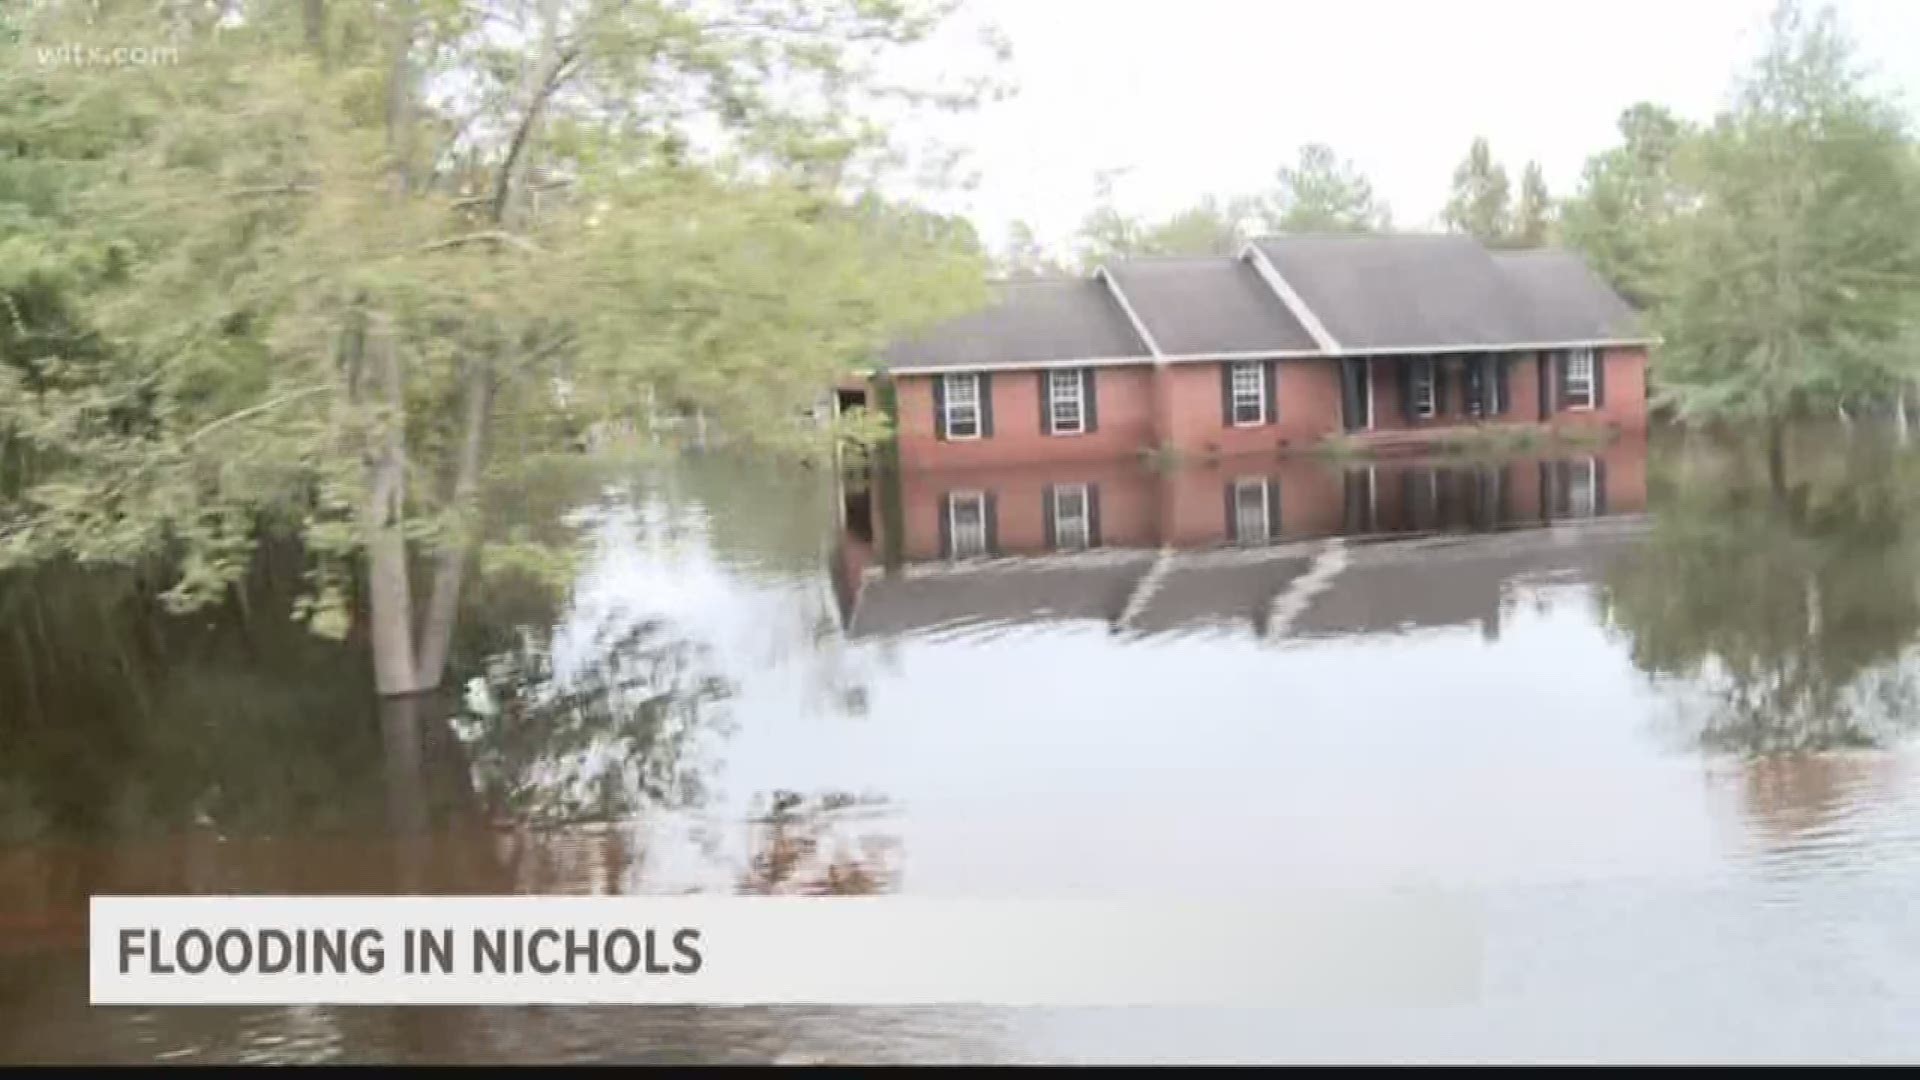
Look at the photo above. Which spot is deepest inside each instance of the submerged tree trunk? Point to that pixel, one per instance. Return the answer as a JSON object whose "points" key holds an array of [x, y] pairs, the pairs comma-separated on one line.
{"points": [[436, 633], [1777, 456], [390, 591]]}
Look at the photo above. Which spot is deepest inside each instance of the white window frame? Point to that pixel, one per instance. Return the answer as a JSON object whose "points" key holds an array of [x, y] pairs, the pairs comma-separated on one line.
{"points": [[1067, 386], [1079, 536], [1589, 504], [1240, 531], [976, 539], [971, 380], [1422, 383], [1237, 391], [1589, 358]]}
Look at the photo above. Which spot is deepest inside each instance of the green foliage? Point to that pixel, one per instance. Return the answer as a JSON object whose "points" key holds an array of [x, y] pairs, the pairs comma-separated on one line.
{"points": [[1480, 203], [1793, 272], [1623, 218], [1210, 227], [1533, 216], [1322, 193], [258, 290]]}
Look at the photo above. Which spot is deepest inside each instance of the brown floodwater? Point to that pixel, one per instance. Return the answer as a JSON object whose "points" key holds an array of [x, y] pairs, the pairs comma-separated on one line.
{"points": [[1650, 715]]}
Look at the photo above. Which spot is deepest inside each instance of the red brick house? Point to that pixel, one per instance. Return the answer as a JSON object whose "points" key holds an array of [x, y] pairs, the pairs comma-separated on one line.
{"points": [[1387, 339]]}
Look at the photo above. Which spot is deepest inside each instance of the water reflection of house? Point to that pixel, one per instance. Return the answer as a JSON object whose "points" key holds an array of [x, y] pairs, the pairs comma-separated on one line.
{"points": [[1286, 545]]}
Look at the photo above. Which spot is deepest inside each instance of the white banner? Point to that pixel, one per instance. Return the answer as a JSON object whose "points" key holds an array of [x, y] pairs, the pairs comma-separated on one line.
{"points": [[280, 950]]}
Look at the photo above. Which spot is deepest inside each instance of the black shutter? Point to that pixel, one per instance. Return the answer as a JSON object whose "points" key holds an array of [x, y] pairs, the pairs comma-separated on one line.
{"points": [[1599, 378], [1273, 391], [1353, 406], [1439, 387], [1273, 509], [946, 526], [993, 524], [1502, 388], [986, 405], [940, 406], [1226, 394], [1404, 368], [1559, 379], [1599, 485], [1046, 406], [1093, 515], [1046, 515], [1089, 401], [1233, 519], [1543, 379]]}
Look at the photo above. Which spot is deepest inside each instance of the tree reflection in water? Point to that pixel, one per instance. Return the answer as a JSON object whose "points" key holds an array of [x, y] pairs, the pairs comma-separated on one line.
{"points": [[1779, 620], [596, 743]]}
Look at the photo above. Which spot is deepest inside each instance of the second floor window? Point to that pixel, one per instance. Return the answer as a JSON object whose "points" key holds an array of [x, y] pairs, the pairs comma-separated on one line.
{"points": [[1249, 391], [1578, 393], [962, 406], [1066, 404]]}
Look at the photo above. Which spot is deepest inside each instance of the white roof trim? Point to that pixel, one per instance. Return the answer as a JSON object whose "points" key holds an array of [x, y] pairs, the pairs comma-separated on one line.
{"points": [[1229, 357], [1020, 365], [1271, 275], [1250, 354], [1126, 306], [1515, 346]]}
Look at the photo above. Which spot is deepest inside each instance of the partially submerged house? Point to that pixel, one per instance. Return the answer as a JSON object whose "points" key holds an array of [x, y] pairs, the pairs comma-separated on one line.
{"points": [[1387, 339]]}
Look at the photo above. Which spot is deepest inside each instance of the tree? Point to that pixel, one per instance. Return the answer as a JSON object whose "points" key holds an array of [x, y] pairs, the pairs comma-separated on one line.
{"points": [[1791, 280], [1623, 216], [323, 252], [1211, 226], [1320, 192], [1478, 205], [1026, 257], [1533, 217]]}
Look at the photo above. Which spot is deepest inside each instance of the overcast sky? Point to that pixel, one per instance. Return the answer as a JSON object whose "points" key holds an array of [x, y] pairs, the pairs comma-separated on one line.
{"points": [[1190, 97]]}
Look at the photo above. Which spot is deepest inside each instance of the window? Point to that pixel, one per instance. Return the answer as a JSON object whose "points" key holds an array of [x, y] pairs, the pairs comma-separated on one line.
{"points": [[1579, 389], [1065, 405], [1421, 389], [1072, 520], [1582, 484], [967, 523], [1250, 511], [1249, 386], [963, 406]]}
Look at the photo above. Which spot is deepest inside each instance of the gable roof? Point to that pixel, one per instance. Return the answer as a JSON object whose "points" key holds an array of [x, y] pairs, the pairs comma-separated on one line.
{"points": [[1287, 296], [1400, 291], [1208, 305], [1048, 319], [1565, 299]]}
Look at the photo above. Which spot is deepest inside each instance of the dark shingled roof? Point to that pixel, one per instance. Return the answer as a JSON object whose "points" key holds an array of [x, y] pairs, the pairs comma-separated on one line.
{"points": [[1208, 304], [1566, 300], [1030, 321], [1402, 292]]}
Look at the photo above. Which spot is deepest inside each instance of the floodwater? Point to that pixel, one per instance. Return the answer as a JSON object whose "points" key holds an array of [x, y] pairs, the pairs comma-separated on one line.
{"points": [[1650, 715]]}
